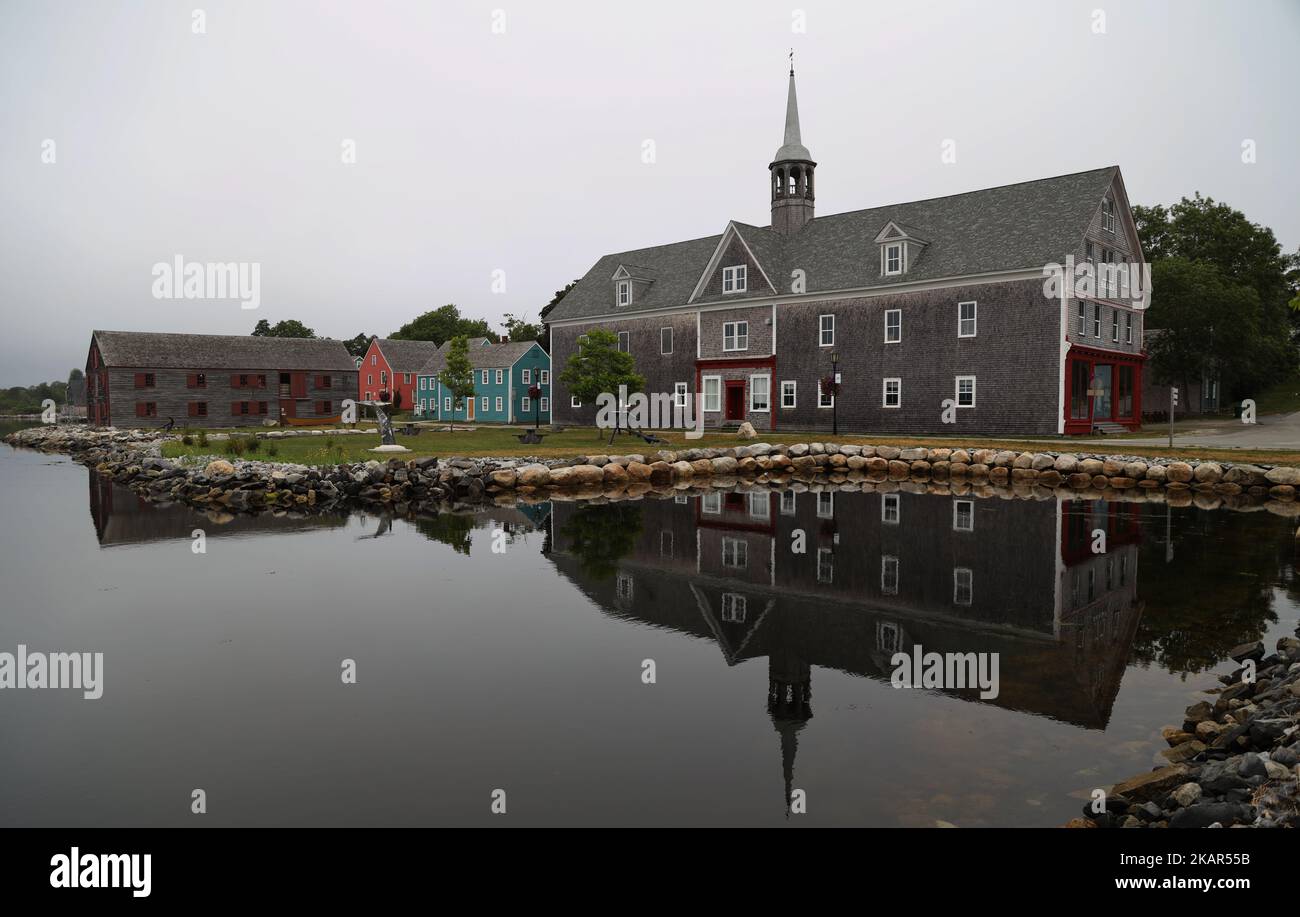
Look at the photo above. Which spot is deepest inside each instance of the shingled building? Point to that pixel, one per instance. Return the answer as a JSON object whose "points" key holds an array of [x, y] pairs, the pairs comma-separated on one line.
{"points": [[141, 379], [934, 312]]}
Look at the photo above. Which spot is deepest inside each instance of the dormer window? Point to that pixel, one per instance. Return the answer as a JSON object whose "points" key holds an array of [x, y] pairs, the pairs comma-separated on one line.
{"points": [[734, 279], [624, 292], [1108, 215], [893, 258]]}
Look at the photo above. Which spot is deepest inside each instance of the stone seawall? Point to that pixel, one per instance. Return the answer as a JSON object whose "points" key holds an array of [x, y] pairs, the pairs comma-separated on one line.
{"points": [[134, 458]]}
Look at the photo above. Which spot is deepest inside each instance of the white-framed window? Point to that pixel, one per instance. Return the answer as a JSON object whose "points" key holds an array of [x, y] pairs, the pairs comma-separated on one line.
{"points": [[963, 515], [824, 400], [760, 393], [543, 377], [712, 393], [1083, 318], [889, 574], [625, 341], [963, 585], [484, 376], [788, 502], [825, 565], [735, 279], [374, 360], [735, 608], [574, 402], [624, 292], [666, 543], [735, 336], [446, 403], [760, 504], [666, 340], [826, 331], [966, 319], [1096, 321], [825, 504], [483, 404], [500, 404], [735, 553], [891, 508], [370, 380], [526, 377], [893, 258], [965, 391], [788, 393], [893, 326], [711, 503], [546, 404], [1108, 215], [892, 393], [525, 403], [1114, 326], [423, 385], [500, 376], [679, 395], [624, 587], [1128, 327], [383, 377], [406, 378]]}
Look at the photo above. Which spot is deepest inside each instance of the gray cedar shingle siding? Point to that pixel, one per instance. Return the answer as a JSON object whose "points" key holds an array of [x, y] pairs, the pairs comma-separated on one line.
{"points": [[173, 358]]}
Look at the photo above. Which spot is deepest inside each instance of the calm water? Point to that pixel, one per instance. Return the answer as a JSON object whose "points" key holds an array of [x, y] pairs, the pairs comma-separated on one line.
{"points": [[522, 670]]}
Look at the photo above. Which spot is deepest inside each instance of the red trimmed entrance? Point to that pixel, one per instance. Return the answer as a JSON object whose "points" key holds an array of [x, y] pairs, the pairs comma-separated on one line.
{"points": [[1102, 386]]}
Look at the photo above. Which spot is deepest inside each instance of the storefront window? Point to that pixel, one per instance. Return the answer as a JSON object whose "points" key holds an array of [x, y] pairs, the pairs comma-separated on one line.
{"points": [[1079, 391], [1102, 387], [1126, 391]]}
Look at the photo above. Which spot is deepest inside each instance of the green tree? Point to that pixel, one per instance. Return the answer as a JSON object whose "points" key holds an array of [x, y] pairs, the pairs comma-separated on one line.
{"points": [[598, 366], [520, 330], [440, 325], [289, 328], [358, 345], [76, 388], [602, 535], [458, 375]]}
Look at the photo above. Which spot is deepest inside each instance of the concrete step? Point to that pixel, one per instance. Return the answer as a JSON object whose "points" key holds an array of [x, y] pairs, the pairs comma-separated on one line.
{"points": [[1109, 428]]}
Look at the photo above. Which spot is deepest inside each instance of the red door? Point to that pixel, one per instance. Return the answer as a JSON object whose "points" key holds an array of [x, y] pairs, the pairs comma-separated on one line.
{"points": [[736, 400]]}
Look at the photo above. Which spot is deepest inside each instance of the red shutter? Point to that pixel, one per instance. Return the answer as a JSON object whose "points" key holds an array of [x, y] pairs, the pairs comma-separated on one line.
{"points": [[139, 409], [193, 409], [298, 385], [139, 380], [234, 408], [234, 380]]}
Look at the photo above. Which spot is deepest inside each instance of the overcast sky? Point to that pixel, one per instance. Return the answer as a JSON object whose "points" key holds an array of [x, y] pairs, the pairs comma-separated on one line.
{"points": [[521, 151]]}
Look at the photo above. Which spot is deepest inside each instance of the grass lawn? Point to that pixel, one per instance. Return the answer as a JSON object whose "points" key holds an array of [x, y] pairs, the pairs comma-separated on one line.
{"points": [[1280, 398], [500, 441]]}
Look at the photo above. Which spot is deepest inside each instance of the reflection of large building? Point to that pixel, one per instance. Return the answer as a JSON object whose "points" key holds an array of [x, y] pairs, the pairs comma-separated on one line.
{"points": [[845, 580]]}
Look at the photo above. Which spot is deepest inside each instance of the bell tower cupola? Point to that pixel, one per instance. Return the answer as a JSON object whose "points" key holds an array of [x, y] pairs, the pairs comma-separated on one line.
{"points": [[792, 174]]}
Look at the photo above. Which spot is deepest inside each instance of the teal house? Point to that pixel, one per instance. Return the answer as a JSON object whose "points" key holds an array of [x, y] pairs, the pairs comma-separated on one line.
{"points": [[504, 375]]}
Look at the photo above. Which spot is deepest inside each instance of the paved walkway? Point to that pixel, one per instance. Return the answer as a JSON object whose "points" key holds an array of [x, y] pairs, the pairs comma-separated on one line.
{"points": [[1273, 431]]}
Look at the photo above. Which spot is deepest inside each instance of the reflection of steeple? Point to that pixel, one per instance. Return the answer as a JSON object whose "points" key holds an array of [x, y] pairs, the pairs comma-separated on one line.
{"points": [[789, 703]]}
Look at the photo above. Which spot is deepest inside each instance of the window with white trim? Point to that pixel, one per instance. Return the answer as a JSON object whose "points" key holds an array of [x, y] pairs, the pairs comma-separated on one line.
{"points": [[824, 400], [374, 360], [965, 391], [825, 504], [574, 402], [666, 340], [963, 515], [825, 565], [735, 553], [624, 586], [526, 377], [760, 393], [963, 585], [893, 258], [788, 502], [1128, 327], [500, 402], [760, 504], [735, 608], [500, 376], [1114, 326], [406, 378], [679, 395], [889, 574], [892, 394], [734, 279], [712, 393], [735, 336], [966, 319], [446, 403], [1083, 318], [624, 292], [543, 377], [893, 326], [483, 404], [711, 503], [891, 508], [484, 375], [525, 403], [1096, 321], [1108, 215], [546, 404], [625, 341], [788, 393], [826, 327]]}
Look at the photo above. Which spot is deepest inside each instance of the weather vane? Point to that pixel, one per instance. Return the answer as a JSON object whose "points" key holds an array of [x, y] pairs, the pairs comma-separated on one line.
{"points": [[792, 61]]}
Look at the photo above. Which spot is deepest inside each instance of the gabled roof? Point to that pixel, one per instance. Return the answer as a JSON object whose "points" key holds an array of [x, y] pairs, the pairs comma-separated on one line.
{"points": [[406, 356], [1008, 228], [493, 356], [150, 350]]}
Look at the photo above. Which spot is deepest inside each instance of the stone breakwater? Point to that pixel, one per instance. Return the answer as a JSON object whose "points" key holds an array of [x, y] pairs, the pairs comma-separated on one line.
{"points": [[1234, 761], [134, 458]]}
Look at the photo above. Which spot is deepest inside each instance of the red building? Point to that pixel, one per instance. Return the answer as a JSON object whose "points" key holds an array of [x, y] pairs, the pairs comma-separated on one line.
{"points": [[388, 369]]}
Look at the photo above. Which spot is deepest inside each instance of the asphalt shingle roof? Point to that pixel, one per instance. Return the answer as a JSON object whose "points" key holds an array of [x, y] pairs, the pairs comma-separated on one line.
{"points": [[406, 356], [1011, 227], [494, 356], [146, 349]]}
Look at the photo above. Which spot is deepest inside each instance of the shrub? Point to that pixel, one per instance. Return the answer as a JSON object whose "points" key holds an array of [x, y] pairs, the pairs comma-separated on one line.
{"points": [[272, 449], [203, 438], [253, 444], [236, 445]]}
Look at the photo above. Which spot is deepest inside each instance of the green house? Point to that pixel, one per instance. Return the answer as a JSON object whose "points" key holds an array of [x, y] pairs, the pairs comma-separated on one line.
{"points": [[504, 376]]}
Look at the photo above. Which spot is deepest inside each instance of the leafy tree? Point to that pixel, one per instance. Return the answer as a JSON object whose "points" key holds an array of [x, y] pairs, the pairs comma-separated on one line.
{"points": [[602, 535], [545, 337], [76, 387], [289, 328], [520, 330], [458, 375], [450, 529], [598, 366], [440, 325], [358, 345]]}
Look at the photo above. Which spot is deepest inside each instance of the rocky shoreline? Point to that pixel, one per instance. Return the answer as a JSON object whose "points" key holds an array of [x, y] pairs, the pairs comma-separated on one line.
{"points": [[1234, 761], [134, 458]]}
